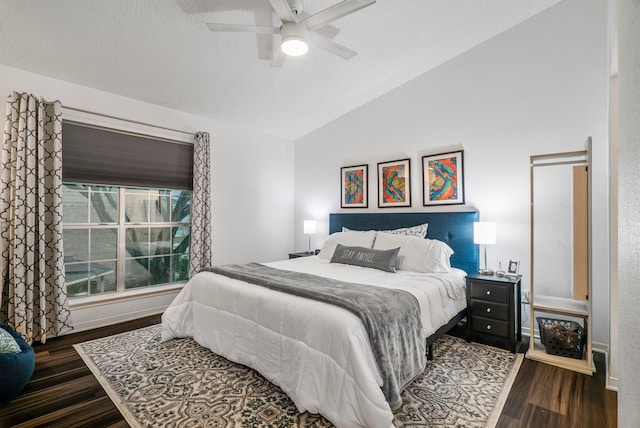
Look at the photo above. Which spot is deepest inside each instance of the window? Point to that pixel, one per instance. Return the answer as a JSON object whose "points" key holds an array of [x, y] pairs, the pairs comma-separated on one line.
{"points": [[123, 229], [123, 238]]}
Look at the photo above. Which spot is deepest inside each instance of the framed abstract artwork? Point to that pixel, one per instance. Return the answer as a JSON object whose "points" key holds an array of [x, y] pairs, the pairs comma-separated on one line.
{"points": [[443, 179], [394, 184], [354, 184]]}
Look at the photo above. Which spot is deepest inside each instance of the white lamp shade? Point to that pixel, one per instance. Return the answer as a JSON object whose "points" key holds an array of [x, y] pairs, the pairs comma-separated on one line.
{"points": [[484, 232], [310, 227]]}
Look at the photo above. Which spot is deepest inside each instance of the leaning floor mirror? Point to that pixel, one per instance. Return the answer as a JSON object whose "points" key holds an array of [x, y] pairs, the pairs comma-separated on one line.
{"points": [[561, 260]]}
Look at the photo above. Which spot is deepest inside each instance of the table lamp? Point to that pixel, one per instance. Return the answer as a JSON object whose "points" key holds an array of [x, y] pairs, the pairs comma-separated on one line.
{"points": [[484, 233], [310, 228]]}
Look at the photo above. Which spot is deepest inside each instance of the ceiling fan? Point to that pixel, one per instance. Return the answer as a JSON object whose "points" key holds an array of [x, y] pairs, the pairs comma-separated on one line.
{"points": [[296, 33]]}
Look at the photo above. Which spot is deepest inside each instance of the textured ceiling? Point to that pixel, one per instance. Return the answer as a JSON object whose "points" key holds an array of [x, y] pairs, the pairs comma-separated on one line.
{"points": [[161, 51]]}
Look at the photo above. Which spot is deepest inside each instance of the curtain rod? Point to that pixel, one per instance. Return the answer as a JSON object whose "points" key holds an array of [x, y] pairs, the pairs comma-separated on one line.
{"points": [[127, 120]]}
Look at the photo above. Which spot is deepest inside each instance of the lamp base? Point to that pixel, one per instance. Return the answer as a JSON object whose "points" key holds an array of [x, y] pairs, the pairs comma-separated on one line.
{"points": [[485, 271]]}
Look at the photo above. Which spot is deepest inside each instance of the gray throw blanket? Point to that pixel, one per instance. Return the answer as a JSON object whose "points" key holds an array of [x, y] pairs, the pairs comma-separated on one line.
{"points": [[390, 317]]}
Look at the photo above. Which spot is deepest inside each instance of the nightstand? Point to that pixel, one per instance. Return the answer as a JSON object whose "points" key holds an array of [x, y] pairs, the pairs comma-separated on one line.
{"points": [[493, 304], [300, 254]]}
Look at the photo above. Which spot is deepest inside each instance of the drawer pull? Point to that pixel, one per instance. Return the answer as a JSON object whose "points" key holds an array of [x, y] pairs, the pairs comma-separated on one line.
{"points": [[488, 309], [489, 327], [488, 292]]}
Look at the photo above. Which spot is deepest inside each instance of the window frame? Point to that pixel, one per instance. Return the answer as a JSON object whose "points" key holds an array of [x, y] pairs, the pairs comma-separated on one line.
{"points": [[121, 225]]}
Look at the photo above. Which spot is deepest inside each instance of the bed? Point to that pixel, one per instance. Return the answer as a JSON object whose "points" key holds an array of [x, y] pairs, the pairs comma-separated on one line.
{"points": [[321, 354]]}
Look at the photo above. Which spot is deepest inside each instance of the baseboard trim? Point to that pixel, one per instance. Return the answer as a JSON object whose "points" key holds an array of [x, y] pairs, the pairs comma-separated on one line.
{"points": [[106, 321], [104, 313], [612, 383]]}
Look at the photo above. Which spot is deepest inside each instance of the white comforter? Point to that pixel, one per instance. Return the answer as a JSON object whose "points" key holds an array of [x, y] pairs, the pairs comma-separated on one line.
{"points": [[317, 353]]}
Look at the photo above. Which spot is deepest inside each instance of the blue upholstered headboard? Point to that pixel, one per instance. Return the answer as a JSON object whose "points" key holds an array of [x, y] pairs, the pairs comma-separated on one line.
{"points": [[454, 228]]}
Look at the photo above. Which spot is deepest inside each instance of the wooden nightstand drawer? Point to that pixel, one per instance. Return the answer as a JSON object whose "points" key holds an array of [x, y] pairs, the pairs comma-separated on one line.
{"points": [[490, 292], [496, 311], [488, 326], [494, 308]]}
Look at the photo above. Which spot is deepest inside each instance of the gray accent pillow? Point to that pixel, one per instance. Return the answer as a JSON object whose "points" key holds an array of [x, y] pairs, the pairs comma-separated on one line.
{"points": [[385, 260]]}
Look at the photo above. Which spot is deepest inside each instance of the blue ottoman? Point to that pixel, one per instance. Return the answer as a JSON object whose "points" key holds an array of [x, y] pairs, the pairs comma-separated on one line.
{"points": [[16, 368]]}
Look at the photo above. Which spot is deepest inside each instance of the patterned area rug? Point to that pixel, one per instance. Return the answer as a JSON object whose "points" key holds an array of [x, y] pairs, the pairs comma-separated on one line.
{"points": [[181, 384]]}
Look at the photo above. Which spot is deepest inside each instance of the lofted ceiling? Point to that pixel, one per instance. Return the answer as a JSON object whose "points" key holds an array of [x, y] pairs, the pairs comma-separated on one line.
{"points": [[161, 52]]}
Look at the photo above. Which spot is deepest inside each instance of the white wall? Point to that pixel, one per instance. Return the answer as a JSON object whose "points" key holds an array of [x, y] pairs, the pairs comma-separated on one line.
{"points": [[252, 183], [628, 14], [539, 87]]}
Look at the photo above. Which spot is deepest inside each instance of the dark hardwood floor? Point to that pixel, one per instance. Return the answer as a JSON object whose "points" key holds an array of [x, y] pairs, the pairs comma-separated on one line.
{"points": [[64, 393], [546, 396]]}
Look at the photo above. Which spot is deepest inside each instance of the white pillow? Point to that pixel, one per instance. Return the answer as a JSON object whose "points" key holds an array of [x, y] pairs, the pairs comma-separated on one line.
{"points": [[416, 254], [438, 256], [419, 230], [350, 238]]}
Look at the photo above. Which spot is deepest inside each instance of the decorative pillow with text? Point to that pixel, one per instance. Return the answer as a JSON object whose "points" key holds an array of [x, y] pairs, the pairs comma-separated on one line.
{"points": [[385, 260]]}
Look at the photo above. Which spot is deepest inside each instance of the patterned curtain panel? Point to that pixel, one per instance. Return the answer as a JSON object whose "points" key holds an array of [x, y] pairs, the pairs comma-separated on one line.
{"points": [[34, 299], [201, 205]]}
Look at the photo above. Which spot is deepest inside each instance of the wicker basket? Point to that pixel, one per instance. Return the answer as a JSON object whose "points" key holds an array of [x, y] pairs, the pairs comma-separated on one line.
{"points": [[561, 337]]}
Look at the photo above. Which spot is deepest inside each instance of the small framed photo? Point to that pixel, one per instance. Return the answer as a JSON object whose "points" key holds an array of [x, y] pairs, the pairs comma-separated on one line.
{"points": [[354, 184], [394, 184], [443, 179], [514, 266]]}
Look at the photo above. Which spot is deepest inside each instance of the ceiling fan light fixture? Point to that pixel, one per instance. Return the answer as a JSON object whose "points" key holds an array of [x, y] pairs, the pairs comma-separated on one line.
{"points": [[294, 46], [294, 39]]}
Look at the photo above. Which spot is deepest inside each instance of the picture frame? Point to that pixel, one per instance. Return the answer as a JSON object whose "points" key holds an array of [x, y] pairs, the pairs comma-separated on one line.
{"points": [[513, 267], [394, 183], [443, 178], [354, 185]]}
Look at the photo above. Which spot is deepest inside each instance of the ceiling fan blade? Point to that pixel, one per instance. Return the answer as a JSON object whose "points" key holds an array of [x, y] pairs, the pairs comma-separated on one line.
{"points": [[331, 46], [243, 28], [334, 12], [283, 10]]}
